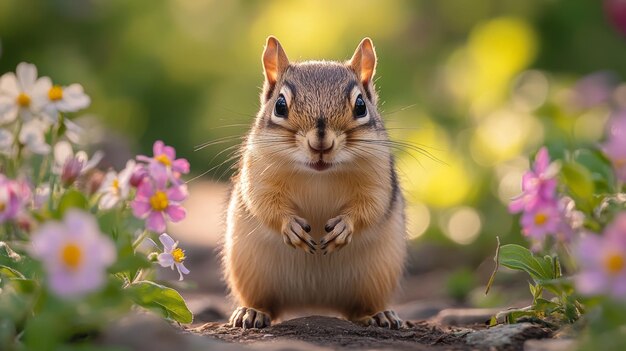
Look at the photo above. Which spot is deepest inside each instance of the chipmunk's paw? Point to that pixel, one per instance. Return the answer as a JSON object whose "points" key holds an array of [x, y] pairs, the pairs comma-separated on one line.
{"points": [[296, 234], [385, 319], [246, 317], [339, 231]]}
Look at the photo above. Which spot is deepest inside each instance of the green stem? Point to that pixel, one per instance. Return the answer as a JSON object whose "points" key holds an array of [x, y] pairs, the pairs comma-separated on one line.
{"points": [[53, 139], [140, 239]]}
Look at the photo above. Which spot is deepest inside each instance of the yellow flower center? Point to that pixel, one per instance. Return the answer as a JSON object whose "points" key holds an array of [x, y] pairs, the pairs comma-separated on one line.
{"points": [[164, 159], [23, 100], [619, 163], [178, 254], [116, 185], [614, 263], [71, 256], [159, 201], [55, 93], [2, 206], [540, 218]]}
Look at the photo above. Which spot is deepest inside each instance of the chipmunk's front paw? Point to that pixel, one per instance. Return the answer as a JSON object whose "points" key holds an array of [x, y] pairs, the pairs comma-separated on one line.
{"points": [[246, 317], [296, 234], [339, 231]]}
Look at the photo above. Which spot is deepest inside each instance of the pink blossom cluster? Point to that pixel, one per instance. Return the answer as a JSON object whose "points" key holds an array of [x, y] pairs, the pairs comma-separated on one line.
{"points": [[160, 189], [543, 212]]}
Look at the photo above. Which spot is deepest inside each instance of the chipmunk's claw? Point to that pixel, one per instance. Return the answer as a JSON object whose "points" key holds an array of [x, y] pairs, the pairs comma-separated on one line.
{"points": [[339, 231], [296, 234], [246, 318]]}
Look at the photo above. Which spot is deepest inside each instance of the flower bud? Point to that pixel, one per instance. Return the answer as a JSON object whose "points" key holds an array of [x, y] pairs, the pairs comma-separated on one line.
{"points": [[138, 175], [71, 170]]}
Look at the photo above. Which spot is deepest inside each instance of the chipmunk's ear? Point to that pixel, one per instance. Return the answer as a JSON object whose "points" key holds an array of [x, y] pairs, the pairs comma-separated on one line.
{"points": [[363, 62], [275, 63]]}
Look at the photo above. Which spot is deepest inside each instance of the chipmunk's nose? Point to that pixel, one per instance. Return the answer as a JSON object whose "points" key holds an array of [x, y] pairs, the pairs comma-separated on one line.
{"points": [[320, 139], [320, 148]]}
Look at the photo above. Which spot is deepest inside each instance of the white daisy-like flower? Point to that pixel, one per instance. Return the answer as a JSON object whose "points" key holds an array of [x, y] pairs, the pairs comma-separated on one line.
{"points": [[6, 142], [18, 93], [69, 165], [116, 186], [172, 255], [52, 99], [32, 136]]}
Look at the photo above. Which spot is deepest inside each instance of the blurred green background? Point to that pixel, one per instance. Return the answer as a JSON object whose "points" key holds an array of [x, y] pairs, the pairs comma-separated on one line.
{"points": [[479, 84]]}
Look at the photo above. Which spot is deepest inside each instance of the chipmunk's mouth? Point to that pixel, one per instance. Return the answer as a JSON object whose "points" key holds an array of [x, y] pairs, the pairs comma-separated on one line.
{"points": [[320, 165]]}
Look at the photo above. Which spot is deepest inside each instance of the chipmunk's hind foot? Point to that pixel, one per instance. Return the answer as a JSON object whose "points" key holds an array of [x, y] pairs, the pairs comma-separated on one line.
{"points": [[246, 318], [386, 319]]}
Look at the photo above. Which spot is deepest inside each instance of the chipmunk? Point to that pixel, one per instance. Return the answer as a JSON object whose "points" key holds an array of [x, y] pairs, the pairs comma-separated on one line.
{"points": [[316, 216]]}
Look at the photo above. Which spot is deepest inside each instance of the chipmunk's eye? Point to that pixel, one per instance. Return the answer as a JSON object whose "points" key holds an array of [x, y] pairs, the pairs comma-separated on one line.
{"points": [[280, 109], [360, 110]]}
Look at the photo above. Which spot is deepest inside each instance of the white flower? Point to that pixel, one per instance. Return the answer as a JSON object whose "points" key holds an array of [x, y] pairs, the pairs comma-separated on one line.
{"points": [[172, 255], [32, 136], [116, 186], [18, 93], [6, 142], [53, 99]]}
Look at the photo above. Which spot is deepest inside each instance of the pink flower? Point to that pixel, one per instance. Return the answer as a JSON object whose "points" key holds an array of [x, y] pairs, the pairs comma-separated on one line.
{"points": [[172, 256], [74, 253], [603, 261], [542, 220], [154, 202], [164, 165], [15, 195], [538, 184], [615, 145]]}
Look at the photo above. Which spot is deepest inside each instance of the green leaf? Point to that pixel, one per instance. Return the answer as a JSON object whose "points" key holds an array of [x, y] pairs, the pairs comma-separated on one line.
{"points": [[520, 258], [72, 199], [579, 181], [10, 272], [166, 301], [599, 166]]}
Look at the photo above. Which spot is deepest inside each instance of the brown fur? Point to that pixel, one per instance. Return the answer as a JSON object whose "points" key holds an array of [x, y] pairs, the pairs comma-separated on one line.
{"points": [[356, 272]]}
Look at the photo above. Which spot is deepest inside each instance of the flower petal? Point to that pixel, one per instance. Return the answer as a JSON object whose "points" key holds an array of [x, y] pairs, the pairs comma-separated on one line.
{"points": [[141, 209], [8, 84], [176, 213], [181, 165], [157, 148], [165, 259], [156, 222], [177, 193], [74, 99], [167, 241], [26, 75], [62, 151], [181, 270]]}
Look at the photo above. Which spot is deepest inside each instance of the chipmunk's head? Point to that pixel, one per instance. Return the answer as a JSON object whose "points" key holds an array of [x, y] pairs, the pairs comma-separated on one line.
{"points": [[319, 115]]}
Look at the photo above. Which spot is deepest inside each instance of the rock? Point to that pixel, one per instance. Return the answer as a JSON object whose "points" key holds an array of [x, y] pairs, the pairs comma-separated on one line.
{"points": [[550, 345], [207, 308], [423, 309], [506, 336], [464, 316]]}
